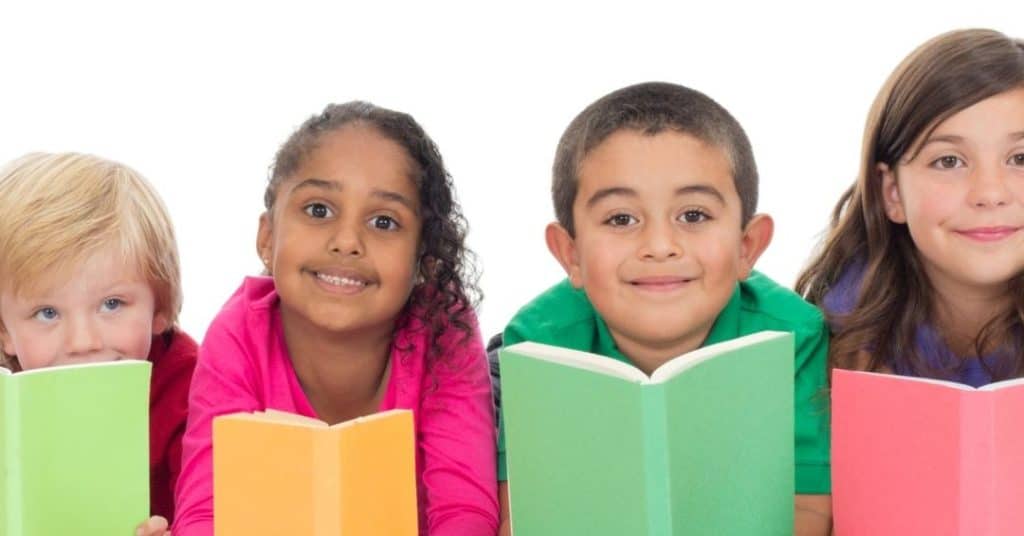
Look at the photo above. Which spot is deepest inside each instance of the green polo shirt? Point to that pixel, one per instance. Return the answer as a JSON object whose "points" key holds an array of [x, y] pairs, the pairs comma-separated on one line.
{"points": [[563, 316]]}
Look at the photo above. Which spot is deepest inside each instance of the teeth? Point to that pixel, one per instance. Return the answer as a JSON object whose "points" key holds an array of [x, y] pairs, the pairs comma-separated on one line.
{"points": [[340, 281]]}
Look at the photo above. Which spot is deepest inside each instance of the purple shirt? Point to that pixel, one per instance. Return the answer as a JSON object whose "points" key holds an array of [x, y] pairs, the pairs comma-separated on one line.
{"points": [[842, 298]]}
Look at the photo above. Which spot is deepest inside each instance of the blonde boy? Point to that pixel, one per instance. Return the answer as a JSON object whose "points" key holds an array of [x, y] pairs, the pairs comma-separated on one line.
{"points": [[89, 272]]}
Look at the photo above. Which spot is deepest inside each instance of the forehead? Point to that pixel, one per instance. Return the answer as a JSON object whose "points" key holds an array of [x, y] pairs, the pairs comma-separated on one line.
{"points": [[97, 272], [359, 155], [656, 164]]}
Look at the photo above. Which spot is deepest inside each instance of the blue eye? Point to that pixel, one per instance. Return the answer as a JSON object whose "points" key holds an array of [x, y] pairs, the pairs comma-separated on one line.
{"points": [[112, 304], [318, 210], [384, 223], [621, 220], [694, 216], [45, 314]]}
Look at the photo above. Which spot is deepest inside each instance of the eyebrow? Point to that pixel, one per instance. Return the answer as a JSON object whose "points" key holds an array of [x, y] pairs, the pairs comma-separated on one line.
{"points": [[952, 138], [629, 192], [314, 182], [396, 197], [335, 186]]}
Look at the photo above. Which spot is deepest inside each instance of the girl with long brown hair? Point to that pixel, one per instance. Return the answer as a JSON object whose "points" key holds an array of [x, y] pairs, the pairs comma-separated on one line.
{"points": [[921, 271]]}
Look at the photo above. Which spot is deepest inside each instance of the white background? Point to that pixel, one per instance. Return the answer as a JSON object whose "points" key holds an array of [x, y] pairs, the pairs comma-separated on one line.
{"points": [[199, 97]]}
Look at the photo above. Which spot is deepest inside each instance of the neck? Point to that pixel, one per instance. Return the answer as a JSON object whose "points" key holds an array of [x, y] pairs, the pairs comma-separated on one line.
{"points": [[963, 310], [649, 356], [343, 374]]}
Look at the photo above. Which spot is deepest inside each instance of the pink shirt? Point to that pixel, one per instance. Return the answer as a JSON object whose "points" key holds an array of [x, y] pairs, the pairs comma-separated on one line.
{"points": [[244, 366]]}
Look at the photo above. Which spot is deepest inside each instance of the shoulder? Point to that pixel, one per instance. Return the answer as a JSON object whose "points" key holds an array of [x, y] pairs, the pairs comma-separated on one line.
{"points": [[247, 310], [173, 353], [768, 305], [557, 310]]}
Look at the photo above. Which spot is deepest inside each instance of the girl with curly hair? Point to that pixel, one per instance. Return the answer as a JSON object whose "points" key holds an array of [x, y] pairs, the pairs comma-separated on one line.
{"points": [[366, 305]]}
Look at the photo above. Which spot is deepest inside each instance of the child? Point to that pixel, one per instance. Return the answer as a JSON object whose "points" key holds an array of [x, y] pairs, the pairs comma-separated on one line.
{"points": [[920, 274], [367, 308], [655, 190], [89, 272]]}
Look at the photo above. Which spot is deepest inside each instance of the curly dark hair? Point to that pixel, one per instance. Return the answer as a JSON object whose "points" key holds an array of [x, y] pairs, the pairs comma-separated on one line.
{"points": [[447, 290]]}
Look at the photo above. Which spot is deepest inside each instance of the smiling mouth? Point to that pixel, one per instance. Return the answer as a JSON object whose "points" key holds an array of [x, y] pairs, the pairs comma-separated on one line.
{"points": [[988, 234], [660, 283], [341, 281]]}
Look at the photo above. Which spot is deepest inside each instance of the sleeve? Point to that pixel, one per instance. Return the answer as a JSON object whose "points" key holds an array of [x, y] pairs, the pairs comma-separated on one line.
{"points": [[221, 385], [813, 466], [171, 410], [457, 440], [513, 334]]}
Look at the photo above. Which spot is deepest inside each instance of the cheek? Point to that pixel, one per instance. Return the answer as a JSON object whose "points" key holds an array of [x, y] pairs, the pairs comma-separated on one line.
{"points": [[600, 258], [36, 350], [932, 204]]}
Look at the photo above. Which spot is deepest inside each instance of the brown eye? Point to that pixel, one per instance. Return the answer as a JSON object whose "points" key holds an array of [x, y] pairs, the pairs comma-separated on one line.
{"points": [[1017, 159], [694, 216], [947, 162], [620, 220], [317, 210], [384, 223]]}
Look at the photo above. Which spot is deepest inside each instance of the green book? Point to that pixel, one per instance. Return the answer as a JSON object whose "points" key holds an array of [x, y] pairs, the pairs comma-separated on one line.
{"points": [[74, 449], [702, 446]]}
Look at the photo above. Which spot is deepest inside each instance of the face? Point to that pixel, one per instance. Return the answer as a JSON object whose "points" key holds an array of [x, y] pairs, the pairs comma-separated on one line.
{"points": [[102, 311], [659, 245], [962, 197], [342, 240]]}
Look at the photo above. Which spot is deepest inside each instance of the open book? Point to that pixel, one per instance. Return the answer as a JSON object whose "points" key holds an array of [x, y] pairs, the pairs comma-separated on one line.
{"points": [[703, 446], [279, 473], [921, 456], [74, 449]]}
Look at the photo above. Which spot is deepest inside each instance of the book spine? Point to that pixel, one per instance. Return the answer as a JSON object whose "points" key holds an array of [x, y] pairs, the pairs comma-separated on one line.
{"points": [[11, 493], [656, 460], [327, 507], [977, 459]]}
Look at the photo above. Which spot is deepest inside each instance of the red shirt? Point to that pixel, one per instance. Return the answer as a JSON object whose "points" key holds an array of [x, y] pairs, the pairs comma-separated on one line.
{"points": [[173, 355]]}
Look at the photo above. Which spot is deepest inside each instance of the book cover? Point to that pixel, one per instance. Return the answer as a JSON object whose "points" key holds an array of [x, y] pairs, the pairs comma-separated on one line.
{"points": [[922, 456], [702, 446], [278, 473], [75, 449]]}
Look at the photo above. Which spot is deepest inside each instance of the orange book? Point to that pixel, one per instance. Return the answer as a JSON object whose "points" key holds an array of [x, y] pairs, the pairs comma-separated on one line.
{"points": [[919, 456], [277, 473]]}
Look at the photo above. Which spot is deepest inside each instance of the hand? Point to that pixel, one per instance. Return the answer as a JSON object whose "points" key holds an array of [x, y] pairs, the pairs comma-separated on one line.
{"points": [[154, 526]]}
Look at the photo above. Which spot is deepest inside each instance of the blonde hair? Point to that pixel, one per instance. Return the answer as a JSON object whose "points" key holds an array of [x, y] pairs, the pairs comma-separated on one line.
{"points": [[60, 209]]}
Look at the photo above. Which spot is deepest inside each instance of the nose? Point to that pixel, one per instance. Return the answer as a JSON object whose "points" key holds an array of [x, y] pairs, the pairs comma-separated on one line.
{"points": [[83, 337], [660, 242], [989, 187], [347, 238]]}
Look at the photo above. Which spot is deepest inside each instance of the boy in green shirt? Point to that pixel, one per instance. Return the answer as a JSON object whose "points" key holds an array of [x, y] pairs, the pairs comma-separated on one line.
{"points": [[655, 190]]}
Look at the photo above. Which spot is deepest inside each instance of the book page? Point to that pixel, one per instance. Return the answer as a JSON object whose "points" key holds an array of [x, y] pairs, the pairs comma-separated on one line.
{"points": [[581, 360]]}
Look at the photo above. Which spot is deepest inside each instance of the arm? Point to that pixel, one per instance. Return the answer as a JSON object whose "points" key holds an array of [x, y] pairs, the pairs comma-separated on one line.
{"points": [[506, 523], [813, 504], [457, 440], [221, 385], [812, 515]]}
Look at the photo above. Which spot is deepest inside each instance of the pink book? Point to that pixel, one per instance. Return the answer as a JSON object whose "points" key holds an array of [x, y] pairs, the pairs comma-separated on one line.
{"points": [[920, 456]]}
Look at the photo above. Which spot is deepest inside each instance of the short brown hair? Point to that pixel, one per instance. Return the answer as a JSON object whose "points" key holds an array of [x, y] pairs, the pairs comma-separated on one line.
{"points": [[651, 108]]}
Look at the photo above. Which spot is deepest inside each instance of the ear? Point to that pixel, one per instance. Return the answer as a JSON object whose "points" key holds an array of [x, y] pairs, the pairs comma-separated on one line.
{"points": [[6, 342], [160, 323], [264, 242], [891, 195], [563, 247], [756, 237]]}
